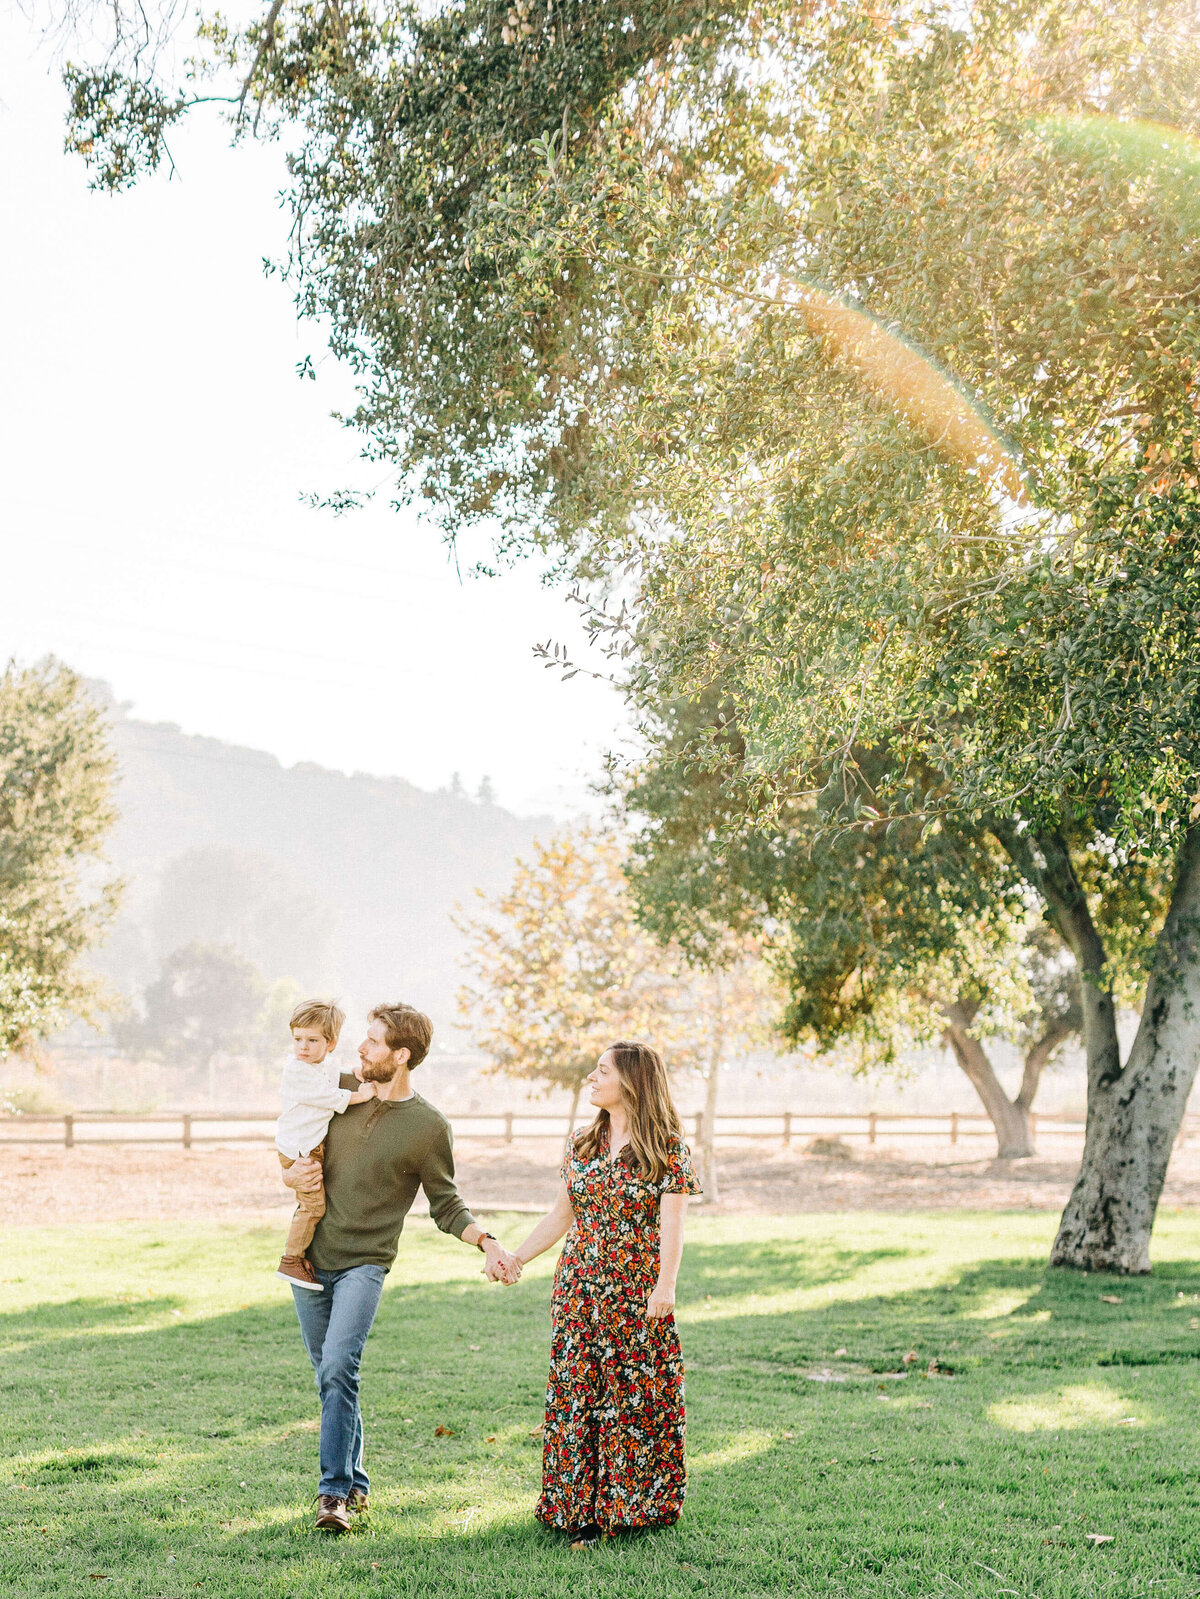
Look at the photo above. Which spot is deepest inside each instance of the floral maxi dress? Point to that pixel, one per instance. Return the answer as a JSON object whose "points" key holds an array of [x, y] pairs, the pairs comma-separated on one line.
{"points": [[613, 1453]]}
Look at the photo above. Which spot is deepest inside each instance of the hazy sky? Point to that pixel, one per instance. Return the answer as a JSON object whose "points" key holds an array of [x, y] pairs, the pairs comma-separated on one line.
{"points": [[154, 444]]}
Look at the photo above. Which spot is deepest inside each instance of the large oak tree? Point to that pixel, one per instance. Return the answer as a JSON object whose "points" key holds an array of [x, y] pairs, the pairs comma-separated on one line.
{"points": [[884, 936], [855, 350]]}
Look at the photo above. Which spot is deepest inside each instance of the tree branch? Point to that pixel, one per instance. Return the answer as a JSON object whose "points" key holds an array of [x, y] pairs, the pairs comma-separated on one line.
{"points": [[1045, 863], [1009, 1118], [268, 40], [1039, 1056]]}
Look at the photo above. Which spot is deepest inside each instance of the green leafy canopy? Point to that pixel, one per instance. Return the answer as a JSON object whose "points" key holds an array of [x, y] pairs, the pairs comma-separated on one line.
{"points": [[556, 242], [56, 808]]}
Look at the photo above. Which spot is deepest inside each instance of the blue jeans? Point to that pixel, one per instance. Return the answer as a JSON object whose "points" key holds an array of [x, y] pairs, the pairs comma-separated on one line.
{"points": [[334, 1326]]}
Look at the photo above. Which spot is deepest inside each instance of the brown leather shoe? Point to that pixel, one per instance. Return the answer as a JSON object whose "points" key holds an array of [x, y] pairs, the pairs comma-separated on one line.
{"points": [[332, 1515], [295, 1269], [357, 1502]]}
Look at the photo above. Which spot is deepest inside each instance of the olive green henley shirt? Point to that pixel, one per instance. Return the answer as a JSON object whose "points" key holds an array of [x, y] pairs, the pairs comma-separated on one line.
{"points": [[377, 1155]]}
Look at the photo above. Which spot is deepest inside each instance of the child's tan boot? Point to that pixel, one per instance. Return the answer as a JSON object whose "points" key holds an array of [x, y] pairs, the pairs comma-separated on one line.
{"points": [[295, 1269]]}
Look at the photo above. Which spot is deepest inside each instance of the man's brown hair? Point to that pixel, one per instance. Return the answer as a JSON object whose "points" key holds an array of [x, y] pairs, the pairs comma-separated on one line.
{"points": [[323, 1013], [405, 1027]]}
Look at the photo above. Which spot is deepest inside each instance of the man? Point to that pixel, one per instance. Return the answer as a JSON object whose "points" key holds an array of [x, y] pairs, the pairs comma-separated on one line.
{"points": [[377, 1154]]}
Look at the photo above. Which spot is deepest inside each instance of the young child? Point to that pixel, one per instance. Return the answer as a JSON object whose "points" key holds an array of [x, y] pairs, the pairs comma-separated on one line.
{"points": [[310, 1095]]}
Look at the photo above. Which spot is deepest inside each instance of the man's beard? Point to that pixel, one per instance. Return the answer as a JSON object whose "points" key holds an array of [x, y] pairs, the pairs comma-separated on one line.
{"points": [[379, 1071]]}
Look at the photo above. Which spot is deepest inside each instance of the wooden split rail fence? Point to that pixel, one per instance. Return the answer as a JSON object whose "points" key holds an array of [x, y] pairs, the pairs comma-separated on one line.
{"points": [[191, 1127]]}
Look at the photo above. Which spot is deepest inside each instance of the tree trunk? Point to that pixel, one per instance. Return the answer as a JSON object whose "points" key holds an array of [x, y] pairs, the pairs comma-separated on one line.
{"points": [[709, 1180], [1045, 863], [1040, 1054], [1133, 1114], [575, 1093], [1010, 1118]]}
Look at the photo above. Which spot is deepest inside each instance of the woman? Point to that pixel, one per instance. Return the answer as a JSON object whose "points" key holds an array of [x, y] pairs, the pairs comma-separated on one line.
{"points": [[613, 1456]]}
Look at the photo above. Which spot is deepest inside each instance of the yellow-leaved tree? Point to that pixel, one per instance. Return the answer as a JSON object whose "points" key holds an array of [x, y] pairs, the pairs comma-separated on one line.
{"points": [[560, 969], [729, 1008]]}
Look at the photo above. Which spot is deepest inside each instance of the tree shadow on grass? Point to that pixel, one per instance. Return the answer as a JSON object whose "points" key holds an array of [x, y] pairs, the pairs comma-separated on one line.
{"points": [[721, 1271], [798, 1487], [996, 1313], [82, 1317]]}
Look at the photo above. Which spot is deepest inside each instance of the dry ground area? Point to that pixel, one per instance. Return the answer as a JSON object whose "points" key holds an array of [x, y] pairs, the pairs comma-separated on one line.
{"points": [[122, 1183]]}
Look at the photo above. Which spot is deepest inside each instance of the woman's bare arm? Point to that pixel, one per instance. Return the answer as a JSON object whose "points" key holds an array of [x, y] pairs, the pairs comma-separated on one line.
{"points": [[546, 1233], [670, 1253]]}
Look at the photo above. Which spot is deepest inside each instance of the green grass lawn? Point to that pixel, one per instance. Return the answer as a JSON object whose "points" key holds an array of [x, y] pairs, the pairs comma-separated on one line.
{"points": [[159, 1420]]}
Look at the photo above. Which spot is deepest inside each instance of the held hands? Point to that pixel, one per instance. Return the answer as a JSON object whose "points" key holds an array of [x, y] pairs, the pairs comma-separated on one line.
{"points": [[511, 1270], [502, 1266], [661, 1301]]}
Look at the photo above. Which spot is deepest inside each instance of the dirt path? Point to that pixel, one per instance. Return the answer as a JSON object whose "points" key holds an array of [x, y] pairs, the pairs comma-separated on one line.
{"points": [[125, 1183]]}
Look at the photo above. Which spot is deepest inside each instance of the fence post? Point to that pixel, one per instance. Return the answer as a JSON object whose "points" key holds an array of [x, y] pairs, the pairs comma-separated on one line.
{"points": [[787, 1128], [69, 1132], [954, 1127], [870, 1127], [699, 1133], [187, 1129], [508, 1121]]}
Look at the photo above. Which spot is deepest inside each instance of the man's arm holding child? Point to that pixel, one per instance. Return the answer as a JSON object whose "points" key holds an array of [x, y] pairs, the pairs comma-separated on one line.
{"points": [[304, 1176]]}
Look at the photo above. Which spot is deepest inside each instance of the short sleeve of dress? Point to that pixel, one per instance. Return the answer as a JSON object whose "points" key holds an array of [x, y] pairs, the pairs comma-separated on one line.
{"points": [[564, 1166], [681, 1174]]}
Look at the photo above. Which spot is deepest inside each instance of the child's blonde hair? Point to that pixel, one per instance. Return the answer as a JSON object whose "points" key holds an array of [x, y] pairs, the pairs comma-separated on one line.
{"points": [[322, 1013]]}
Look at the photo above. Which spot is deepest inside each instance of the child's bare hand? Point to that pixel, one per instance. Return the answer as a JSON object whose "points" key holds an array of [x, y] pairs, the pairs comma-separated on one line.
{"points": [[361, 1095]]}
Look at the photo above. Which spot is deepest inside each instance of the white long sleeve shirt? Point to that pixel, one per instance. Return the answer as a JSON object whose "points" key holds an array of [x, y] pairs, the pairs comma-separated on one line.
{"points": [[309, 1097]]}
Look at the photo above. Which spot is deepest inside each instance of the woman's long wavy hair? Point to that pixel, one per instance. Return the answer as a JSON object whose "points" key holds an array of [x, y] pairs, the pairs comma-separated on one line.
{"points": [[654, 1126]]}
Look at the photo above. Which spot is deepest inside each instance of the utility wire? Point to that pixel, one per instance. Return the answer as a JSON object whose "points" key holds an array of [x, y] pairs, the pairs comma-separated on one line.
{"points": [[230, 643], [78, 641]]}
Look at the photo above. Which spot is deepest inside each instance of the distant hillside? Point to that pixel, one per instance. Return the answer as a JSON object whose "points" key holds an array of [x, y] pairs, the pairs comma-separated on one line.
{"points": [[364, 870]]}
